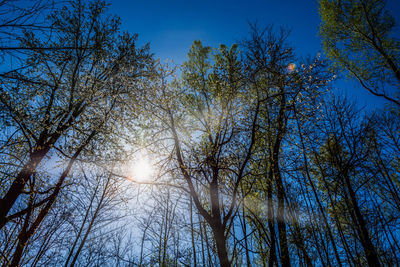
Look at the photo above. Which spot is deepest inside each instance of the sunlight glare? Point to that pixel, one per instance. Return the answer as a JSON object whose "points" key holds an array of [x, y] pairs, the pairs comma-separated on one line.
{"points": [[142, 170]]}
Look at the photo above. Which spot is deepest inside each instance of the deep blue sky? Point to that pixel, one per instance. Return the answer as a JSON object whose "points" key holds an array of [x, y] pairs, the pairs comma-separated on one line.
{"points": [[172, 25]]}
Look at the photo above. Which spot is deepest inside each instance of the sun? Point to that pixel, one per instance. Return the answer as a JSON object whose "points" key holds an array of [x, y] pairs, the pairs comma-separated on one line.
{"points": [[142, 169]]}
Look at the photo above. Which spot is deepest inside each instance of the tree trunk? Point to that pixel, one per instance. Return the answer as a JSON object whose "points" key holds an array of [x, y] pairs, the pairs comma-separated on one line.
{"points": [[92, 221], [314, 190], [271, 226], [280, 214], [78, 236], [244, 230], [285, 258], [19, 183], [361, 226], [192, 232], [220, 241]]}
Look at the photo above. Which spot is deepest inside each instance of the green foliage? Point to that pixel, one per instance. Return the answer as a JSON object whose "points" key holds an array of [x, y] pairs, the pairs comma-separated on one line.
{"points": [[357, 35], [67, 99]]}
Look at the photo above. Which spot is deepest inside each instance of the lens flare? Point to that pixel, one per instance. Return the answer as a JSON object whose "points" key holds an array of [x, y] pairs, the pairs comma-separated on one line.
{"points": [[291, 67]]}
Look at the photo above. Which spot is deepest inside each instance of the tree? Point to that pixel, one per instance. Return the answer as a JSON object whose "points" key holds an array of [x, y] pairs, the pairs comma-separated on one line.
{"points": [[286, 92], [67, 94], [229, 112], [343, 161], [98, 209], [212, 128], [215, 96], [17, 18], [67, 104], [357, 35], [253, 164]]}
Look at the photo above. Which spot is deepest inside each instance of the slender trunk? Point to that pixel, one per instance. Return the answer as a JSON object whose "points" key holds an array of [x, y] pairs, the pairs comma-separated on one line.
{"points": [[321, 237], [192, 232], [78, 236], [202, 241], [160, 241], [271, 226], [280, 215], [165, 237], [44, 247], [142, 245], [332, 203], [299, 241], [311, 182], [388, 232], [315, 229], [285, 258], [244, 229], [92, 221], [22, 240], [362, 230]]}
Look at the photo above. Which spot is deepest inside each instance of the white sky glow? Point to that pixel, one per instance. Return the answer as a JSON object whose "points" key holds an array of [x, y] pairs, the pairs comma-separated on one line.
{"points": [[142, 169]]}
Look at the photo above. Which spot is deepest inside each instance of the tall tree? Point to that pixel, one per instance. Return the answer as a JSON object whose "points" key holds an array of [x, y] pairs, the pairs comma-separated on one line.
{"points": [[213, 131], [343, 162], [358, 37], [61, 107], [284, 90], [67, 95]]}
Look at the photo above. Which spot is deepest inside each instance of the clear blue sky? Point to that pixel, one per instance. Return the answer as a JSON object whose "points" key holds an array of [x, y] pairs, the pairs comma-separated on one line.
{"points": [[172, 25]]}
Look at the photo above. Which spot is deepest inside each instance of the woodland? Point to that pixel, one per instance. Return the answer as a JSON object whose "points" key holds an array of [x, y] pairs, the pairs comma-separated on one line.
{"points": [[244, 155]]}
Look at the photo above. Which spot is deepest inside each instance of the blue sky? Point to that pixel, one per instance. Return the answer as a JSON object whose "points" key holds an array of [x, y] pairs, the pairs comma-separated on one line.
{"points": [[171, 26]]}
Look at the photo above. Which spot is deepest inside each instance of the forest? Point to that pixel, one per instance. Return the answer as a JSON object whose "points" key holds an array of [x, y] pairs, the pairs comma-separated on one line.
{"points": [[243, 155]]}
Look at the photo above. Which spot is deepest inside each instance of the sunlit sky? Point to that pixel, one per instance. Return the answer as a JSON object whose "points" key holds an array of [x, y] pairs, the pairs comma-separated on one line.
{"points": [[172, 25], [142, 169]]}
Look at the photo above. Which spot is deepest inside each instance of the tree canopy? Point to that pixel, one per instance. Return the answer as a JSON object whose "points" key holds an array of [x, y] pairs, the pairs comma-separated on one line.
{"points": [[358, 36], [243, 155]]}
